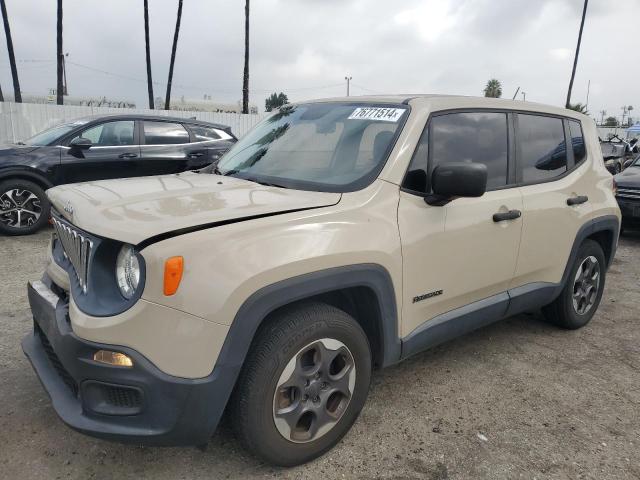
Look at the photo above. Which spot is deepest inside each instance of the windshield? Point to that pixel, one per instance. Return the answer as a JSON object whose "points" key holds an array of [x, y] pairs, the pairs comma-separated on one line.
{"points": [[335, 147], [50, 135]]}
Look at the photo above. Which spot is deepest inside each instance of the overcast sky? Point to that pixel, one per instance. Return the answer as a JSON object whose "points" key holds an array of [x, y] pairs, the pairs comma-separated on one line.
{"points": [[306, 47]]}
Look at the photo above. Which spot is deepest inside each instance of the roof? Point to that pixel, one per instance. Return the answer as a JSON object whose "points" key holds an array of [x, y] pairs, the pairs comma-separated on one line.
{"points": [[142, 116], [443, 102]]}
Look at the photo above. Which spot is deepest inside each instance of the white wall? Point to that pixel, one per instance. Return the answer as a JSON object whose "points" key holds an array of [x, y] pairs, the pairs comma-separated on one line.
{"points": [[19, 121]]}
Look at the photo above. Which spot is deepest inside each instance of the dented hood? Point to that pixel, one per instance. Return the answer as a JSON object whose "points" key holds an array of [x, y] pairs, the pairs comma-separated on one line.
{"points": [[135, 209]]}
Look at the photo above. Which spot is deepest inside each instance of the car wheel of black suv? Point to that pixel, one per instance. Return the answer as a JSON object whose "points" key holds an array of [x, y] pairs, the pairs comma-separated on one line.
{"points": [[581, 296], [24, 207], [303, 384]]}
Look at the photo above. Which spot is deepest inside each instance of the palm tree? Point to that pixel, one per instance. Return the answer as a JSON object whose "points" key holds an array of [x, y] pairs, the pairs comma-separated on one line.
{"points": [[148, 52], [245, 77], [60, 69], [167, 101], [578, 107], [12, 58], [493, 89], [1, 95], [575, 60]]}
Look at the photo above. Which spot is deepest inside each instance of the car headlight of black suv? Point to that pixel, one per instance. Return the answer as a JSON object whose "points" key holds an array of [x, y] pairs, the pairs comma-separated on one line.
{"points": [[106, 277]]}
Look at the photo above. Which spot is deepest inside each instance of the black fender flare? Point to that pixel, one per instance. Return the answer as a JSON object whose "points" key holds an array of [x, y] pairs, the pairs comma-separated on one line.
{"points": [[26, 174], [261, 303]]}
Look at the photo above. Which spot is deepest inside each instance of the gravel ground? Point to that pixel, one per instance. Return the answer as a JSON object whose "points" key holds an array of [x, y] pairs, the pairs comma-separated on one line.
{"points": [[518, 399]]}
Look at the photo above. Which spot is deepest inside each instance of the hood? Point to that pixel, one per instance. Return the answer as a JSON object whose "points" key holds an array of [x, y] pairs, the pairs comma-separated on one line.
{"points": [[629, 177], [11, 149], [135, 209]]}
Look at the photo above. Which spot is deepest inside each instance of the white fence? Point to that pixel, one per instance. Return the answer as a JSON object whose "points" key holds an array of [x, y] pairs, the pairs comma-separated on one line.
{"points": [[19, 121]]}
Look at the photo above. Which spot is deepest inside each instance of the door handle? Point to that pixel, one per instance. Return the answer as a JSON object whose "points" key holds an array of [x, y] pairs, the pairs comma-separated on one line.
{"points": [[196, 154], [510, 215], [577, 200], [127, 155]]}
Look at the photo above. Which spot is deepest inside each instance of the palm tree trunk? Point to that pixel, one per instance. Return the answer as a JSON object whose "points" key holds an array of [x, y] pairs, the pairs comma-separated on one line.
{"points": [[60, 85], [245, 78], [12, 58], [167, 101], [575, 60], [148, 53], [1, 95]]}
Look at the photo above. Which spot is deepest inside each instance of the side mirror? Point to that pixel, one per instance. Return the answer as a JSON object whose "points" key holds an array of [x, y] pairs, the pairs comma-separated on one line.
{"points": [[457, 180], [80, 143]]}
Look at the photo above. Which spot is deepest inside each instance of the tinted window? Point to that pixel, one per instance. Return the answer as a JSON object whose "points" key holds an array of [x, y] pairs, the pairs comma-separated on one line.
{"points": [[543, 152], [477, 137], [164, 133], [110, 134], [204, 134], [577, 141]]}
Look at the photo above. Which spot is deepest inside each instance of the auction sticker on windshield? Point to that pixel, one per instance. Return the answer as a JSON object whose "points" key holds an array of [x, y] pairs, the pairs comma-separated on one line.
{"points": [[377, 113]]}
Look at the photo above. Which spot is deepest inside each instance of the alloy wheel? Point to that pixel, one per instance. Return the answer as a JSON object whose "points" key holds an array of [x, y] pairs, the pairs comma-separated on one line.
{"points": [[314, 390], [19, 208], [585, 285]]}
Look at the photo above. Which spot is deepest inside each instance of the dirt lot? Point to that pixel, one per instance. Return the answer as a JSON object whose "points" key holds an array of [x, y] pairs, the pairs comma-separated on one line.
{"points": [[519, 399]]}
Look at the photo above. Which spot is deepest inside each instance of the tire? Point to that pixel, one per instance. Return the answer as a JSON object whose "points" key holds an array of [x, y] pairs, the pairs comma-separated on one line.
{"points": [[33, 207], [278, 375], [566, 313]]}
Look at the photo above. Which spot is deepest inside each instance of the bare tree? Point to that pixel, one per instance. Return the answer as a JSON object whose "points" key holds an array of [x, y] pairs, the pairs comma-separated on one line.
{"points": [[60, 57], [245, 77], [167, 101], [575, 60], [148, 53], [12, 58]]}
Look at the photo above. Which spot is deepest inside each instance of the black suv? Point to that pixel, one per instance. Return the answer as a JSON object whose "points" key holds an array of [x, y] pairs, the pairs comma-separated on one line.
{"points": [[96, 148]]}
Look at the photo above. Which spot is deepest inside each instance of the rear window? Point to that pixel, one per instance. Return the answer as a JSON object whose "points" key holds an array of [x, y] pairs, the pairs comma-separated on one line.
{"points": [[204, 134], [543, 152], [164, 133]]}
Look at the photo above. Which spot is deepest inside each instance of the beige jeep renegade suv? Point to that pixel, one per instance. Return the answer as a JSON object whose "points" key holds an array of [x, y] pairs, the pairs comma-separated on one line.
{"points": [[336, 237]]}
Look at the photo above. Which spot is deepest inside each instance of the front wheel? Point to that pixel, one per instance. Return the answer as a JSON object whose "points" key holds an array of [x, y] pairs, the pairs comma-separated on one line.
{"points": [[303, 384], [24, 207], [581, 296]]}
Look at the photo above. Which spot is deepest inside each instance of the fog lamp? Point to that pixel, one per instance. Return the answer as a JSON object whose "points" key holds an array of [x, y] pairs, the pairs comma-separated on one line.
{"points": [[113, 358]]}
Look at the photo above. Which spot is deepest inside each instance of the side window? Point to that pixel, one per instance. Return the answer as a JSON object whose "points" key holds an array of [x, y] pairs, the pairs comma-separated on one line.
{"points": [[164, 133], [577, 141], [543, 151], [474, 137], [204, 134], [110, 134]]}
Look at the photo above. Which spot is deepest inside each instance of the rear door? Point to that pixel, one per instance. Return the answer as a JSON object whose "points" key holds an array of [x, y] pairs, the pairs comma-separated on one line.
{"points": [[166, 147], [209, 144], [113, 153], [555, 187]]}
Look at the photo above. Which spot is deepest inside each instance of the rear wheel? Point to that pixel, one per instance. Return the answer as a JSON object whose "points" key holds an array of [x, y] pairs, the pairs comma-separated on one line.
{"points": [[581, 296], [303, 384], [24, 207]]}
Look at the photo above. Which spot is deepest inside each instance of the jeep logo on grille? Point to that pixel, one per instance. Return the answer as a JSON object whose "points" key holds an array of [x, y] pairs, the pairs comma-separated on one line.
{"points": [[68, 208]]}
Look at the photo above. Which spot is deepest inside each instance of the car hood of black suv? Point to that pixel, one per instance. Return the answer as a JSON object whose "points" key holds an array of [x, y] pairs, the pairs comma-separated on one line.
{"points": [[630, 177], [11, 149]]}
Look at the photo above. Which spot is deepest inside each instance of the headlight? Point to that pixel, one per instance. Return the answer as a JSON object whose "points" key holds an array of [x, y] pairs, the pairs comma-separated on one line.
{"points": [[127, 271]]}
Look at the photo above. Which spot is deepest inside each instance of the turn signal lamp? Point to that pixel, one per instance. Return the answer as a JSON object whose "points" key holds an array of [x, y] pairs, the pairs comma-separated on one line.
{"points": [[172, 274], [113, 358]]}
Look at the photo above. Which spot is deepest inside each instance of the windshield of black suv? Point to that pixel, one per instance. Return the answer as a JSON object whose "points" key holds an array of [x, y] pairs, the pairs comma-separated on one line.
{"points": [[49, 136], [334, 147]]}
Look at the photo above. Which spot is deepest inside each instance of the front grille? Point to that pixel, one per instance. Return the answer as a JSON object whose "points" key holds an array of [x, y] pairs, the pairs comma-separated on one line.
{"points": [[77, 248], [57, 364], [628, 193]]}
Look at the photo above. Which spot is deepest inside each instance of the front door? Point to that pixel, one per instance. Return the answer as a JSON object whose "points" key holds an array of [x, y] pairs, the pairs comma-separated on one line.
{"points": [[112, 154], [465, 251]]}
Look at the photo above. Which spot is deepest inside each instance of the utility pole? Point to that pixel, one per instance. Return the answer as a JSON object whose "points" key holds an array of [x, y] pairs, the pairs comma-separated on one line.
{"points": [[60, 57], [586, 105], [602, 114], [348, 79], [524, 96], [575, 60], [12, 59]]}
